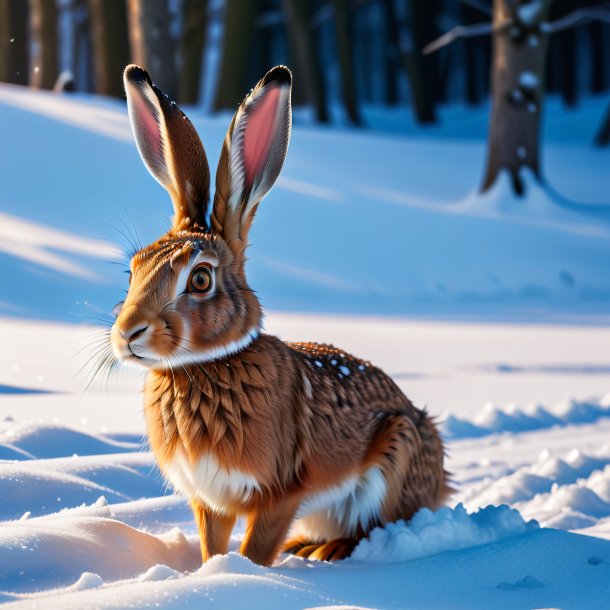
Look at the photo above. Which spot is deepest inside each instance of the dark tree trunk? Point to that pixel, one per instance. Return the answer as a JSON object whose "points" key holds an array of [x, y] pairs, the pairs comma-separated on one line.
{"points": [[517, 95], [81, 61], [108, 23], [45, 61], [151, 43], [14, 41], [472, 52], [391, 81], [301, 37], [602, 137], [598, 57], [425, 68], [236, 46], [566, 45], [346, 61], [192, 43], [401, 39]]}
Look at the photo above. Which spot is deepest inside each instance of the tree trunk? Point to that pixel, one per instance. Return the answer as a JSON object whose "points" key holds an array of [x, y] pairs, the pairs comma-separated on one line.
{"points": [[401, 39], [45, 60], [602, 137], [424, 69], [192, 43], [233, 76], [472, 52], [14, 41], [597, 56], [566, 46], [346, 61], [151, 43], [108, 19], [519, 56], [298, 21]]}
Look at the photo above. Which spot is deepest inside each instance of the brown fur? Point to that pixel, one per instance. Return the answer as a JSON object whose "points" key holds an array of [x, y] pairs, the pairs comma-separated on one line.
{"points": [[298, 419]]}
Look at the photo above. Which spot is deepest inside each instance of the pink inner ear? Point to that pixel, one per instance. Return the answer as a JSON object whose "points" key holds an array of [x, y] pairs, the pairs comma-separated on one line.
{"points": [[259, 131], [148, 124]]}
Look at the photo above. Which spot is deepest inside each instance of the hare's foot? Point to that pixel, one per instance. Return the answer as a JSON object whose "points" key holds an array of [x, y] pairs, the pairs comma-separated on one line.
{"points": [[333, 550], [294, 545]]}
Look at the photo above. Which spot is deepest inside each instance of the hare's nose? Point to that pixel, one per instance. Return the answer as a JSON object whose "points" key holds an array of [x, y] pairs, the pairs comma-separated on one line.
{"points": [[133, 333], [133, 321]]}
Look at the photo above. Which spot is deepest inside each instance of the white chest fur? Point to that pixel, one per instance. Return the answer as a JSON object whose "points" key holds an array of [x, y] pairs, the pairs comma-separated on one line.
{"points": [[209, 482]]}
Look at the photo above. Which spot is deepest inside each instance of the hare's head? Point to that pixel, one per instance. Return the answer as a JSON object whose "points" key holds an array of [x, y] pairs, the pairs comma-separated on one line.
{"points": [[188, 299]]}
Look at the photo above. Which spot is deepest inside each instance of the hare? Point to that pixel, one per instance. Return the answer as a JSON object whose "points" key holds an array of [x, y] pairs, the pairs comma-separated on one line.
{"points": [[243, 424]]}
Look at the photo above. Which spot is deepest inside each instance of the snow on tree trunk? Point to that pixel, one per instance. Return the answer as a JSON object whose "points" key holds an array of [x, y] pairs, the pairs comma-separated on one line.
{"points": [[45, 61], [518, 66]]}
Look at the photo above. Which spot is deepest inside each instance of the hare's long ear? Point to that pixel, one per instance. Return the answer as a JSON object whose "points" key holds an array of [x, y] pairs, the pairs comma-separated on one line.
{"points": [[169, 147], [252, 156]]}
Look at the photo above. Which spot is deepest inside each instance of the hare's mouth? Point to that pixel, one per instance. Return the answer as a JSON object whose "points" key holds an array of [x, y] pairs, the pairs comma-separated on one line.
{"points": [[133, 351]]}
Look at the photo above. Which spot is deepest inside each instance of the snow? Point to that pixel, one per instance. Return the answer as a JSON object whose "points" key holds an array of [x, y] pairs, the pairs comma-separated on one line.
{"points": [[529, 12], [491, 312], [356, 206], [528, 80]]}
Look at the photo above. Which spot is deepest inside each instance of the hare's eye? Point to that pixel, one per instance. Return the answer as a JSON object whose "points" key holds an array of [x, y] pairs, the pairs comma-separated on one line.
{"points": [[201, 280]]}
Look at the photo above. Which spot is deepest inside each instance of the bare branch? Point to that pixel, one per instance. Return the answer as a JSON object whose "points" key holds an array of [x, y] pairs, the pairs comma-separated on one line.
{"points": [[578, 17], [478, 5], [465, 31]]}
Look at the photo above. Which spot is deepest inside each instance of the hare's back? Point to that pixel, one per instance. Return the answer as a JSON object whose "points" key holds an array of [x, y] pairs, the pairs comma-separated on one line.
{"points": [[354, 384]]}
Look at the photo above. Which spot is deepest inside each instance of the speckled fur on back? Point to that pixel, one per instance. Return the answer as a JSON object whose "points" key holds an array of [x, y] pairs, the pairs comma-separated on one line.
{"points": [[293, 436]]}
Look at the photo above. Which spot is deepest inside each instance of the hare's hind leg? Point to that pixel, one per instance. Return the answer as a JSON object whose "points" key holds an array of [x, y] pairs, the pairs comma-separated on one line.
{"points": [[402, 473], [410, 457]]}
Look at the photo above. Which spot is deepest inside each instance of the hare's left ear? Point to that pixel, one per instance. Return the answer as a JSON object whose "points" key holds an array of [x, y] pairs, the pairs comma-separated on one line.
{"points": [[252, 156], [169, 147]]}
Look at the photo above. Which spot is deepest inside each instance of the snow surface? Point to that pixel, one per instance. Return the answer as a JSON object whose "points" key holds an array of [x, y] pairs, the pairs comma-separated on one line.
{"points": [[513, 358], [361, 222]]}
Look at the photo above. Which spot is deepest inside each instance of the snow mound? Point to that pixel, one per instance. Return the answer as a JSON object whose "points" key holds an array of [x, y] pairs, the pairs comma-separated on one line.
{"points": [[87, 580], [47, 441], [570, 493], [539, 206], [493, 419], [158, 572], [54, 551], [232, 563], [447, 529]]}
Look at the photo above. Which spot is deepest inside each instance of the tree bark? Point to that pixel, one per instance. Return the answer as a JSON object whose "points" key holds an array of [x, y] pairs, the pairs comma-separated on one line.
{"points": [[301, 38], [232, 79], [151, 43], [401, 39], [108, 19], [472, 52], [45, 61], [424, 69], [346, 61], [597, 56], [602, 137], [192, 43], [518, 68], [14, 41]]}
